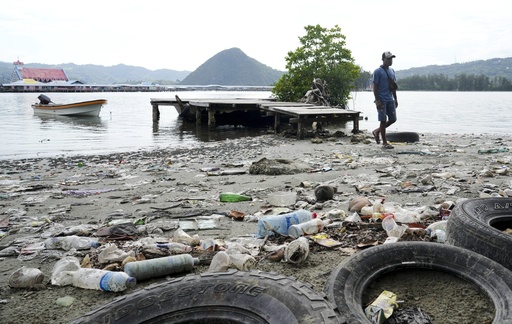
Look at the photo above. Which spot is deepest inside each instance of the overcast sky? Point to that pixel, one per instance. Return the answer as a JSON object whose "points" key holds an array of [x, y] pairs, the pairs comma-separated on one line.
{"points": [[183, 34]]}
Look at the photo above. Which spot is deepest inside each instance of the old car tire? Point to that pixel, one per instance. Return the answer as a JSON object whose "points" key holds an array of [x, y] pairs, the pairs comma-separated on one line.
{"points": [[228, 297], [478, 225], [348, 281], [402, 137]]}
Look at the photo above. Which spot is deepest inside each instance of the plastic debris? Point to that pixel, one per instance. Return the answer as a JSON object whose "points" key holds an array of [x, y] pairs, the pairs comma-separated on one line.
{"points": [[381, 308]]}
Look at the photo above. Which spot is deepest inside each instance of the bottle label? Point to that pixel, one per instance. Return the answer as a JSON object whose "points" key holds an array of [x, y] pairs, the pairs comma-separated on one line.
{"points": [[113, 281]]}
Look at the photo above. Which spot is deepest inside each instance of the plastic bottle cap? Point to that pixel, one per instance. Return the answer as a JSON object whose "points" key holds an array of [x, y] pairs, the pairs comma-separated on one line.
{"points": [[131, 282]]}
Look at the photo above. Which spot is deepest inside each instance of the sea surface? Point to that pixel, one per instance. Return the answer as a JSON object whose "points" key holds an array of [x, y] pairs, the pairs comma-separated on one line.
{"points": [[125, 123]]}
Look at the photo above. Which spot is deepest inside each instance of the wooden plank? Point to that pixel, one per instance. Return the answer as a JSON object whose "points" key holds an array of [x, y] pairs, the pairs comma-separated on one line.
{"points": [[294, 120]]}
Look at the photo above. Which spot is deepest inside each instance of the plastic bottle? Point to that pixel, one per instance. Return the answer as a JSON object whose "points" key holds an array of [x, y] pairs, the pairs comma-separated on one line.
{"points": [[435, 226], [70, 242], [159, 267], [281, 223], [297, 251], [220, 262], [392, 228], [437, 230], [180, 236], [233, 197], [98, 279], [307, 228], [63, 270], [243, 262], [26, 278], [175, 247]]}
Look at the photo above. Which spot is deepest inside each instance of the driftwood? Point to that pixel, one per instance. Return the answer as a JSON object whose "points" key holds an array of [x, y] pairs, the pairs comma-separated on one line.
{"points": [[318, 95]]}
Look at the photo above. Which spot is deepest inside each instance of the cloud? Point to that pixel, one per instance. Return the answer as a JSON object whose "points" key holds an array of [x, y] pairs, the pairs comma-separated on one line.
{"points": [[183, 35]]}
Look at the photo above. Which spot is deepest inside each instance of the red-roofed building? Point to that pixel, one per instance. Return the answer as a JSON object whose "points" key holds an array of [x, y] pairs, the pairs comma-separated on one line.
{"points": [[42, 75]]}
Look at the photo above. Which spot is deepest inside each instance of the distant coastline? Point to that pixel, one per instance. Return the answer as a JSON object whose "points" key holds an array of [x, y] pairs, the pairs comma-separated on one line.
{"points": [[133, 88]]}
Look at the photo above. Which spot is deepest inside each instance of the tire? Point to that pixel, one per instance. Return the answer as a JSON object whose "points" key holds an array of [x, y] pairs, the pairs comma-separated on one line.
{"points": [[402, 137], [228, 297], [347, 283], [478, 225]]}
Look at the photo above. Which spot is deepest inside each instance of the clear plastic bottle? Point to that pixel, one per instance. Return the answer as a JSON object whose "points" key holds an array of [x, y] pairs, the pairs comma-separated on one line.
{"points": [[70, 242], [63, 269], [102, 280], [220, 262], [439, 225], [233, 197], [307, 228], [159, 267], [297, 251], [175, 247], [281, 223], [392, 228]]}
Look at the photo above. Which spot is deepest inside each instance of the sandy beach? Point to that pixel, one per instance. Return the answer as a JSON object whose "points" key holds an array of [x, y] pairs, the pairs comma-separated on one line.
{"points": [[157, 190]]}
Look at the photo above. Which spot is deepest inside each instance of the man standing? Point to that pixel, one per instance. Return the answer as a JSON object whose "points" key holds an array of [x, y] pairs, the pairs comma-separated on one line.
{"points": [[384, 90]]}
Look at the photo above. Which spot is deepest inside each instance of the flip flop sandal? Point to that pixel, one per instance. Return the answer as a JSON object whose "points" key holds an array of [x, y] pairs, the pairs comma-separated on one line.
{"points": [[388, 147], [376, 136]]}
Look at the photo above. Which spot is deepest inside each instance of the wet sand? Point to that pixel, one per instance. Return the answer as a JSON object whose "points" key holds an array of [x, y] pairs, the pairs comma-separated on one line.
{"points": [[44, 197]]}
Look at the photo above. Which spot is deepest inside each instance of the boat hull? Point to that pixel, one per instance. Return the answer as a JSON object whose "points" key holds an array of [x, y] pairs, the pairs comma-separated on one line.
{"points": [[90, 108]]}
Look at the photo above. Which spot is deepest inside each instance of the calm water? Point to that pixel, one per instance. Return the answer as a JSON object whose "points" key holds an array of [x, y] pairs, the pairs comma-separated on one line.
{"points": [[125, 123]]}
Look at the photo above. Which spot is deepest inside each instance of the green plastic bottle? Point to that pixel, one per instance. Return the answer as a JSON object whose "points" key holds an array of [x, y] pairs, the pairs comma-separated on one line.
{"points": [[233, 197]]}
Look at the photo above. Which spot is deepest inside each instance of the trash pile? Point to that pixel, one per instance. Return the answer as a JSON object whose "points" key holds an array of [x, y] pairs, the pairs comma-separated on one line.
{"points": [[120, 253], [339, 199]]}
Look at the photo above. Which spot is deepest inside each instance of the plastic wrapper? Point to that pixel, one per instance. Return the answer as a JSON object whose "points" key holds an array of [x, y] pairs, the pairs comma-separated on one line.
{"points": [[381, 308]]}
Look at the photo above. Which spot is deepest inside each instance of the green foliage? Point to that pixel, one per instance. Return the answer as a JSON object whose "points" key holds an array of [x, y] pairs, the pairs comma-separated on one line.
{"points": [[322, 55], [461, 82]]}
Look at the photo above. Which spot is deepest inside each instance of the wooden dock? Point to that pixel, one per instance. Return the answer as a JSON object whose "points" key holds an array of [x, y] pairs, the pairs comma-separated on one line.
{"points": [[231, 111]]}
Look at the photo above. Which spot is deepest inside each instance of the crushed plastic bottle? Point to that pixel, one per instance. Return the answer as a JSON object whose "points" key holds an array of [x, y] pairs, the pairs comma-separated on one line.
{"points": [[62, 273], [220, 262], [180, 236], [175, 247], [297, 251], [97, 279], [71, 242], [159, 267], [243, 262], [392, 228], [282, 222], [26, 277], [437, 230]]}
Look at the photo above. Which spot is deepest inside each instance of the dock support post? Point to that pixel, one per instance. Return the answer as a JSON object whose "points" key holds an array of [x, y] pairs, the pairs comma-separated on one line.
{"points": [[356, 123], [211, 119], [156, 113], [198, 116], [277, 122], [300, 134]]}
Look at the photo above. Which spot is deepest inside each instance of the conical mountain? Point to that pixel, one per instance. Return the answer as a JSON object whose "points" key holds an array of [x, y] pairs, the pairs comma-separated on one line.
{"points": [[232, 67]]}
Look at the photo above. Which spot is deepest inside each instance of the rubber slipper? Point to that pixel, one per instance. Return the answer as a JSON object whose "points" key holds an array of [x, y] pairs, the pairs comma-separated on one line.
{"points": [[376, 136], [388, 146]]}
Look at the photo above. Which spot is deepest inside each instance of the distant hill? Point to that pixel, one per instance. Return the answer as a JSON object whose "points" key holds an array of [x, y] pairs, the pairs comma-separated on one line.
{"points": [[501, 67], [98, 74], [232, 67]]}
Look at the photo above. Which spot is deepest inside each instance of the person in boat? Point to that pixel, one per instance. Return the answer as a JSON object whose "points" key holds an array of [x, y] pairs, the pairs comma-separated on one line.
{"points": [[384, 90]]}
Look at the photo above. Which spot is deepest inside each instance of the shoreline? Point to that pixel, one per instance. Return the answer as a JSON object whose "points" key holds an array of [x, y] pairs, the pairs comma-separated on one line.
{"points": [[40, 195]]}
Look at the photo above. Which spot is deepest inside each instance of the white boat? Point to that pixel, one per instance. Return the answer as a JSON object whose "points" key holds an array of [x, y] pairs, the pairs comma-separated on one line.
{"points": [[90, 108]]}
